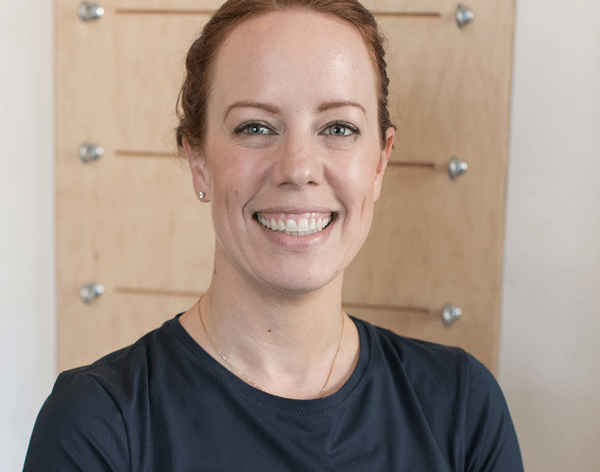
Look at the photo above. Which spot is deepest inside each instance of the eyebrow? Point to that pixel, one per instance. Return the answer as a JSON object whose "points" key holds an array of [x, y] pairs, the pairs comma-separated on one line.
{"points": [[274, 110], [249, 104], [330, 105]]}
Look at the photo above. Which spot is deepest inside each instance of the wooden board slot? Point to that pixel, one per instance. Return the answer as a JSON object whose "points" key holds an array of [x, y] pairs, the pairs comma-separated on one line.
{"points": [[157, 292], [123, 153]]}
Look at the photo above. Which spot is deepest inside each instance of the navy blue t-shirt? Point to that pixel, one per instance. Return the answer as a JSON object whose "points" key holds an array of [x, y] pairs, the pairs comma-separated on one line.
{"points": [[164, 404]]}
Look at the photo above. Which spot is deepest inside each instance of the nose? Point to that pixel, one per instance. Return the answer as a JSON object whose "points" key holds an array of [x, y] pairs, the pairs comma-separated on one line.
{"points": [[299, 163]]}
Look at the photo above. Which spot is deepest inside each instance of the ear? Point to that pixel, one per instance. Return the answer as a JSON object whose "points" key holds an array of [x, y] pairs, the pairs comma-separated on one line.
{"points": [[200, 175], [384, 157]]}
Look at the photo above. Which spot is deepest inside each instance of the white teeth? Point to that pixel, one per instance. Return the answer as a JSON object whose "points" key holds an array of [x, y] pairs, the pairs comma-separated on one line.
{"points": [[303, 227], [290, 225]]}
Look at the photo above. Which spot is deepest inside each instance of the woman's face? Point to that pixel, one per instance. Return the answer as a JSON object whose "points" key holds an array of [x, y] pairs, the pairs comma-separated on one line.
{"points": [[292, 160]]}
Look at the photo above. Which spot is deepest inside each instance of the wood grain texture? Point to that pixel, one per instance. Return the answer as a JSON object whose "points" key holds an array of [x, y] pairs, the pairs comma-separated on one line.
{"points": [[130, 218]]}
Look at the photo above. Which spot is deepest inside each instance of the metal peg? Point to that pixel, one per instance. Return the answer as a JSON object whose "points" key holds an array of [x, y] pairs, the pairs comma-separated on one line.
{"points": [[456, 167], [89, 152], [464, 15], [451, 314], [89, 292], [88, 11]]}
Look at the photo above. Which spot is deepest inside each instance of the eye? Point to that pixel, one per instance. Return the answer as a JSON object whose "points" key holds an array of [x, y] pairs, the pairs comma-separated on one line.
{"points": [[340, 129], [254, 129]]}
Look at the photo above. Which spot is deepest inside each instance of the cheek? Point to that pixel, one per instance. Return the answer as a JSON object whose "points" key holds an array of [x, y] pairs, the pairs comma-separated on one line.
{"points": [[235, 173], [357, 176]]}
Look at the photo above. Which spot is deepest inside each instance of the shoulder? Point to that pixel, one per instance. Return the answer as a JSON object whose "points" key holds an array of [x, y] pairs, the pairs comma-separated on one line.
{"points": [[80, 427], [460, 398], [86, 422], [435, 371], [422, 361], [123, 375]]}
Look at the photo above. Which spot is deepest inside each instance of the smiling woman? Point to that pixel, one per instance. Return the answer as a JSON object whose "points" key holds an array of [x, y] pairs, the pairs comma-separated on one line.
{"points": [[284, 124], [291, 135]]}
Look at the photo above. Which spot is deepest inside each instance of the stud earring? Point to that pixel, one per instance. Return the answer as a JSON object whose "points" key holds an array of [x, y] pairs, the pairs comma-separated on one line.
{"points": [[201, 195]]}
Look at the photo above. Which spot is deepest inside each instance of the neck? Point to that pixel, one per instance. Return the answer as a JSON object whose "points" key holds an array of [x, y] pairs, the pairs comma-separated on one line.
{"points": [[284, 343], [294, 324]]}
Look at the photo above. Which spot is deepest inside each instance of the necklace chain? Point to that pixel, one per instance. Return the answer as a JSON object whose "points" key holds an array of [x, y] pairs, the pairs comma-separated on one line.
{"points": [[240, 374]]}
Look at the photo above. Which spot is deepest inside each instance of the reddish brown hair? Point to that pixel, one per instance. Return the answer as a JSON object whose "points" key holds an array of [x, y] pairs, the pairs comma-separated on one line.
{"points": [[193, 97]]}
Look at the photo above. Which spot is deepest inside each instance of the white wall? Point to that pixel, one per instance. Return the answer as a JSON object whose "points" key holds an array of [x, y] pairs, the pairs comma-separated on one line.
{"points": [[550, 351], [550, 354], [27, 285]]}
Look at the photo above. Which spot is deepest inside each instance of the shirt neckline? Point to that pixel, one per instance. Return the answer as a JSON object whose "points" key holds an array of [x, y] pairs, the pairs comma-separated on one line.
{"points": [[266, 400]]}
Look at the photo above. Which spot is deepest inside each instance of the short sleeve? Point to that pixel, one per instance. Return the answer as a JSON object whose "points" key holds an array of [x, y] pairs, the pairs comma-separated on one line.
{"points": [[79, 428], [491, 440]]}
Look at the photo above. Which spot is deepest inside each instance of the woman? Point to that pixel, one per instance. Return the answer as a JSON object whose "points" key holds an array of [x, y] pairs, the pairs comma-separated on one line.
{"points": [[284, 124]]}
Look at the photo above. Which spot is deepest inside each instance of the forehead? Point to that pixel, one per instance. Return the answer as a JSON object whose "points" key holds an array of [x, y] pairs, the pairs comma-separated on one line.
{"points": [[283, 52]]}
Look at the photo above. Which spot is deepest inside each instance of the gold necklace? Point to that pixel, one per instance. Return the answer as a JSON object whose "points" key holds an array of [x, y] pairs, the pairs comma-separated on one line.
{"points": [[246, 379]]}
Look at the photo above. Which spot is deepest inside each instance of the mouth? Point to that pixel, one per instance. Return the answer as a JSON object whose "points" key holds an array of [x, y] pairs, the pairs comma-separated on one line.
{"points": [[295, 224]]}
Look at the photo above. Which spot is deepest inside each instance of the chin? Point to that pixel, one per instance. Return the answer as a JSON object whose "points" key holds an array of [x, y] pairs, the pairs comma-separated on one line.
{"points": [[292, 286]]}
